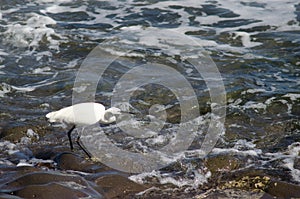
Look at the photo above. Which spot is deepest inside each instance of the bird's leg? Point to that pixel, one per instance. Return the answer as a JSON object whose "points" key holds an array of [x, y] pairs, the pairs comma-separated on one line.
{"points": [[69, 136], [82, 147]]}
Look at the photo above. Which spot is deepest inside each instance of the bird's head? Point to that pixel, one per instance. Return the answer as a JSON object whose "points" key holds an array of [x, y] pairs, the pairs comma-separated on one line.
{"points": [[110, 115]]}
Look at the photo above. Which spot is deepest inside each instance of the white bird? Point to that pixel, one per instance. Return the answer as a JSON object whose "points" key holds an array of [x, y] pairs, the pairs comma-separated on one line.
{"points": [[83, 114]]}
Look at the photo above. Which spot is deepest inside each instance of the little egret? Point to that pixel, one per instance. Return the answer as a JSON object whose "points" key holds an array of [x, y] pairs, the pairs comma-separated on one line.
{"points": [[83, 114]]}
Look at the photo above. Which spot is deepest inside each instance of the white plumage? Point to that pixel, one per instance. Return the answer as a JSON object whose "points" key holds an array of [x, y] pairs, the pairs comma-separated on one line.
{"points": [[83, 114]]}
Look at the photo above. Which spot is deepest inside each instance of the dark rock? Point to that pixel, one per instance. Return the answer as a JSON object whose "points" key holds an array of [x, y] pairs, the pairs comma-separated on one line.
{"points": [[283, 190], [15, 133], [49, 191], [49, 185], [37, 178], [8, 196], [222, 163], [71, 161], [116, 185]]}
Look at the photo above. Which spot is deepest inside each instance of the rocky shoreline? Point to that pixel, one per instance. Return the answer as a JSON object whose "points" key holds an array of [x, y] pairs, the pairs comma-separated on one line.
{"points": [[52, 171]]}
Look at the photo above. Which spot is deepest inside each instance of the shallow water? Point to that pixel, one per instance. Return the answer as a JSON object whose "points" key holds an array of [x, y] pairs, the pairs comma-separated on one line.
{"points": [[254, 45]]}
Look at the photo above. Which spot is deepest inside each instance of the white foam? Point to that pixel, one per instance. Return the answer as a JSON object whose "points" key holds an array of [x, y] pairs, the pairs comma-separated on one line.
{"points": [[44, 70], [22, 163], [292, 96], [160, 139], [257, 90], [286, 159], [32, 32], [246, 39], [42, 54], [31, 134], [254, 105], [265, 15], [55, 1], [169, 41], [25, 140], [5, 162], [270, 100], [4, 89], [80, 89], [293, 151], [1, 72], [72, 64], [2, 53], [6, 145], [199, 178], [55, 8], [251, 152], [236, 126], [244, 144], [270, 14], [32, 162], [8, 11], [23, 89]]}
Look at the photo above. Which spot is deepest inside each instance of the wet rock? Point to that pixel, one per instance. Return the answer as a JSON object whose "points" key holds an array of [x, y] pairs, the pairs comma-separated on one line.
{"points": [[21, 170], [49, 185], [48, 152], [279, 135], [75, 16], [162, 194], [234, 132], [296, 110], [277, 108], [16, 133], [50, 191], [283, 190], [118, 186], [253, 183], [8, 196], [13, 172], [38, 178], [70, 161], [230, 193], [258, 181], [222, 163]]}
